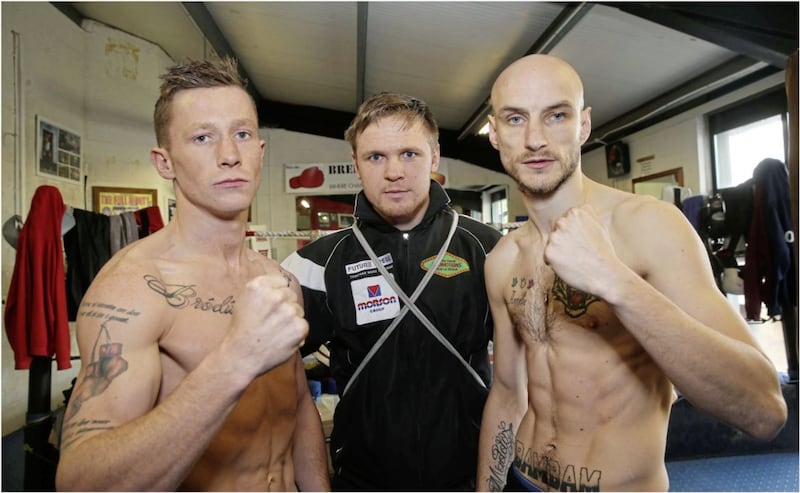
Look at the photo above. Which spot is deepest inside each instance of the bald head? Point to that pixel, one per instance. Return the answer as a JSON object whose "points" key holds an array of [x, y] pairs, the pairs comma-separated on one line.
{"points": [[534, 73], [539, 123]]}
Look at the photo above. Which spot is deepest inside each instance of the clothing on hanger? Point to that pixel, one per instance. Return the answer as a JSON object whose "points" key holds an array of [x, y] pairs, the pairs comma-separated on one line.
{"points": [[36, 307]]}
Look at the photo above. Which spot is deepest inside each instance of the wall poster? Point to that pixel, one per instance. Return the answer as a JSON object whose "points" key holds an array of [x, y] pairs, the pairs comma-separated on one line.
{"points": [[58, 151], [114, 200]]}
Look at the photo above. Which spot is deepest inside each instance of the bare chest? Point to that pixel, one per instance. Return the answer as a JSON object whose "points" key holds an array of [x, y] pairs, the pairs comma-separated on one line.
{"points": [[543, 307], [197, 313]]}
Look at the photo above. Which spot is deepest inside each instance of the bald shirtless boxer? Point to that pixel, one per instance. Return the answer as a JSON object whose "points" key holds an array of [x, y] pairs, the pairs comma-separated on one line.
{"points": [[602, 302], [190, 373]]}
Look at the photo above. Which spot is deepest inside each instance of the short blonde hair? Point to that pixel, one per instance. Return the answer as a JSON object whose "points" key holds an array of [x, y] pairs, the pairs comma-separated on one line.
{"points": [[194, 74], [390, 104]]}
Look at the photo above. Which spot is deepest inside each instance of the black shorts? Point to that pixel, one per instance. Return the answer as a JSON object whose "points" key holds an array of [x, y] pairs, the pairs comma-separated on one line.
{"points": [[516, 481]]}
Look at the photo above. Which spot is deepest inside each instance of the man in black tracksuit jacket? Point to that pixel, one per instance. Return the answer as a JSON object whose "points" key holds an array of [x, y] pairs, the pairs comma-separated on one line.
{"points": [[409, 418]]}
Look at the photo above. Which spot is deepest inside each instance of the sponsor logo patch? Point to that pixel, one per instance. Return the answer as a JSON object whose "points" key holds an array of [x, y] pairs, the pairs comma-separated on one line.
{"points": [[374, 300], [452, 265], [350, 269]]}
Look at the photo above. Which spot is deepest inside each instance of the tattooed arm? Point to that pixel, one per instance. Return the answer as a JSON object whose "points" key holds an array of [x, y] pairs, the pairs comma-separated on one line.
{"points": [[507, 399], [114, 424]]}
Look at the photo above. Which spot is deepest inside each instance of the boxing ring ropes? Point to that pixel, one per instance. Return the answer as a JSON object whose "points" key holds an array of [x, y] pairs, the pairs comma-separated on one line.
{"points": [[313, 234]]}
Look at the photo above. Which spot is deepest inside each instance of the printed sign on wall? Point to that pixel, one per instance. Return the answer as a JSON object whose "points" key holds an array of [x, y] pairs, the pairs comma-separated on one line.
{"points": [[322, 178], [333, 178]]}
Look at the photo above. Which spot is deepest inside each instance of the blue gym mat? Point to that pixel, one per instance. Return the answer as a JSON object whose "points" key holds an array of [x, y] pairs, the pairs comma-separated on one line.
{"points": [[759, 472]]}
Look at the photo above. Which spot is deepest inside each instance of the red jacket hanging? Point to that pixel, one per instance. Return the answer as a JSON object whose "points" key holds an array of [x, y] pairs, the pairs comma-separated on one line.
{"points": [[36, 307]]}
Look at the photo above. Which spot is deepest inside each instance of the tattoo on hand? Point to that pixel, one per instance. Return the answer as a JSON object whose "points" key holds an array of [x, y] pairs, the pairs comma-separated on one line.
{"points": [[180, 296], [575, 302]]}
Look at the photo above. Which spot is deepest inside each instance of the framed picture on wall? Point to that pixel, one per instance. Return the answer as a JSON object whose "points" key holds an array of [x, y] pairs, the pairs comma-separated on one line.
{"points": [[114, 200], [58, 151]]}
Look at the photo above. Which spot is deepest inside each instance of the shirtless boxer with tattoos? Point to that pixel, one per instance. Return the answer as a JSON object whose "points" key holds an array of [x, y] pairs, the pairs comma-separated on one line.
{"points": [[190, 372], [602, 302]]}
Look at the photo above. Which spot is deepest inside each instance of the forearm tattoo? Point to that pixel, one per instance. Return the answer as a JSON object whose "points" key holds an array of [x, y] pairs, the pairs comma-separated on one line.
{"points": [[181, 296], [502, 455], [575, 302]]}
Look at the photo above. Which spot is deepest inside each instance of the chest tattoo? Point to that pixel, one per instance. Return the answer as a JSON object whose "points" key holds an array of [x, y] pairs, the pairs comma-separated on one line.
{"points": [[575, 302], [181, 296], [519, 290]]}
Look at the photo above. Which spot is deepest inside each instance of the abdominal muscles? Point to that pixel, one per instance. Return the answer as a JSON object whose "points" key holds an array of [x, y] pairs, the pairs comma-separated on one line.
{"points": [[598, 406]]}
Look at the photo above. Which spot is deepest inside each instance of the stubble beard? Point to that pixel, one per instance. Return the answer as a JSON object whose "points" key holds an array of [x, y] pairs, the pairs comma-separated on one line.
{"points": [[400, 213], [541, 185]]}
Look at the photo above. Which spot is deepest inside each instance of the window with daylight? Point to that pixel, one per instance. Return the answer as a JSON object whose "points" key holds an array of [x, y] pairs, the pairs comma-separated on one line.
{"points": [[499, 207], [744, 134]]}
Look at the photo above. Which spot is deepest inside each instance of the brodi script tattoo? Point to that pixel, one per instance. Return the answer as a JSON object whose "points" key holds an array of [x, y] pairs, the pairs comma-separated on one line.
{"points": [[182, 296]]}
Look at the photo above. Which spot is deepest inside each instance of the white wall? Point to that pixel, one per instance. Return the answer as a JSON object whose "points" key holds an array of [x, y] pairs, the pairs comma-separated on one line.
{"points": [[52, 57], [103, 83], [680, 141], [98, 82], [122, 85], [275, 208]]}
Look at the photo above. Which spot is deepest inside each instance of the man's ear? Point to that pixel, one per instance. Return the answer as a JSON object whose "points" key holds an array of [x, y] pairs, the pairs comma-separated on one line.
{"points": [[162, 162], [436, 157], [586, 124], [492, 132]]}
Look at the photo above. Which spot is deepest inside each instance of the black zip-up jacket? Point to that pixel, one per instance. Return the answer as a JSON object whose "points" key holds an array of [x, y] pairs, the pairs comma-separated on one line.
{"points": [[411, 419]]}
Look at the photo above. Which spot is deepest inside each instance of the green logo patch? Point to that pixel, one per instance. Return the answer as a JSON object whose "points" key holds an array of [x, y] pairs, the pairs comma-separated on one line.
{"points": [[452, 265]]}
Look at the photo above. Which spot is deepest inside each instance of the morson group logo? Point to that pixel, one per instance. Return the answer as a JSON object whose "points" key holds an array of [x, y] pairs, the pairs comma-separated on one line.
{"points": [[374, 300]]}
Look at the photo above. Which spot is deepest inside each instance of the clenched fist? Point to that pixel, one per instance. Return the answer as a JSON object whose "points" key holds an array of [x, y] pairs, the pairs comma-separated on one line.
{"points": [[580, 250], [268, 325]]}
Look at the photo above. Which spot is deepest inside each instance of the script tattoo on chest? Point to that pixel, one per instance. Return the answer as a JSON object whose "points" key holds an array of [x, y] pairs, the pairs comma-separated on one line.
{"points": [[575, 302], [519, 290], [184, 295]]}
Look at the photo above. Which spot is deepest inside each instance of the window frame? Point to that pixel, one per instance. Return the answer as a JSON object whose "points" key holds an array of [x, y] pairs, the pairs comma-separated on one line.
{"points": [[757, 107]]}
